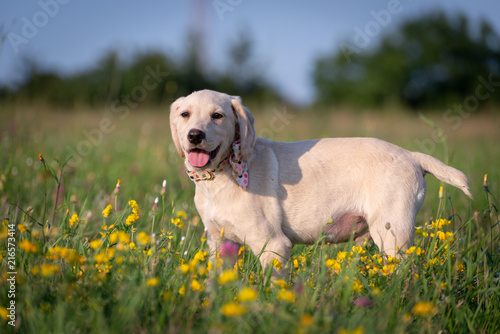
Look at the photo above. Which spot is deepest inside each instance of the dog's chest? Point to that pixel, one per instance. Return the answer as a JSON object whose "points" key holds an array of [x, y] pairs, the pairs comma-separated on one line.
{"points": [[220, 207]]}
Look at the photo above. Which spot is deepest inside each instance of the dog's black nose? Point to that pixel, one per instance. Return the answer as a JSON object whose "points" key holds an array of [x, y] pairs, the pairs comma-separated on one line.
{"points": [[195, 136]]}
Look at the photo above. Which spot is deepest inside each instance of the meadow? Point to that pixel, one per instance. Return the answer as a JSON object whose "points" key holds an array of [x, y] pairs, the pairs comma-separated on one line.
{"points": [[94, 240]]}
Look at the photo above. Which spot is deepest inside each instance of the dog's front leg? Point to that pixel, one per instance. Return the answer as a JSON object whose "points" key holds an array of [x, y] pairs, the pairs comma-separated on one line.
{"points": [[213, 232], [274, 253], [214, 242]]}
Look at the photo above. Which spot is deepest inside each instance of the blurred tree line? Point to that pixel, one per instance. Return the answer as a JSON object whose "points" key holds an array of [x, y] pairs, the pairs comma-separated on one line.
{"points": [[430, 61], [149, 78]]}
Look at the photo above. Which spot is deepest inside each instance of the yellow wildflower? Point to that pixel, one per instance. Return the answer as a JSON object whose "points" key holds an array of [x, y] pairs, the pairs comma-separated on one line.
{"points": [[232, 310], [67, 254], [247, 295], [182, 290], [238, 263], [227, 276], [240, 251], [306, 320], [123, 237], [391, 259], [35, 270], [449, 235], [358, 249], [28, 247], [48, 269], [204, 303], [357, 286], [334, 264], [388, 269], [74, 219], [152, 281], [192, 265], [143, 238], [134, 206], [21, 228], [420, 231], [120, 247], [423, 309], [286, 295], [282, 284], [184, 268], [432, 261], [107, 211], [113, 237], [341, 256], [182, 214], [177, 222], [131, 218], [132, 245], [358, 330], [441, 235], [202, 271], [101, 257], [439, 224], [277, 264], [200, 255], [4, 312], [414, 249], [406, 318], [94, 244], [196, 286]]}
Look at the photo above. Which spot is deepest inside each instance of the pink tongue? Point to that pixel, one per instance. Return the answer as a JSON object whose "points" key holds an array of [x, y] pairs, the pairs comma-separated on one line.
{"points": [[198, 158]]}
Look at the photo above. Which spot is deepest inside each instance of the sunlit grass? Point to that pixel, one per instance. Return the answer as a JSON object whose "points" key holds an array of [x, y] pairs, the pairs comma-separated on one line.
{"points": [[97, 255]]}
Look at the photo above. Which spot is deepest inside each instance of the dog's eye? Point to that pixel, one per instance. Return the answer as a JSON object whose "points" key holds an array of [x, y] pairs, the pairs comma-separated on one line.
{"points": [[217, 115], [185, 114]]}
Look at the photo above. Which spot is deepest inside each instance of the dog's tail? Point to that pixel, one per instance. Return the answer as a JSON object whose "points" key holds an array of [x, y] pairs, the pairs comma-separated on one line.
{"points": [[443, 172]]}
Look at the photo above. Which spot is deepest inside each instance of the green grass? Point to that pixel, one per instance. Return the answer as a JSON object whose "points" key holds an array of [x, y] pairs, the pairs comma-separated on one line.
{"points": [[84, 275]]}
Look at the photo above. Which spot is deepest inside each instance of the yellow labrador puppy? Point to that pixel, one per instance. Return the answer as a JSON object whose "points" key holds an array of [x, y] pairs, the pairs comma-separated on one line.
{"points": [[271, 195]]}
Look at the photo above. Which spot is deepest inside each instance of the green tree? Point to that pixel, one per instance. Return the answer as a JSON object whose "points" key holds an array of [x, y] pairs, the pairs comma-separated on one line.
{"points": [[429, 61], [150, 77]]}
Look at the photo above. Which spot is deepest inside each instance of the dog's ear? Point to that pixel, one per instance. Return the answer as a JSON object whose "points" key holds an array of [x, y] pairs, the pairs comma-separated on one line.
{"points": [[174, 114], [246, 127]]}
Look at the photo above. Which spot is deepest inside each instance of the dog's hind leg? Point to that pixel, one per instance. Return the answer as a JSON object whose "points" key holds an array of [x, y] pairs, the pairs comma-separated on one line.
{"points": [[392, 235], [391, 219], [393, 229]]}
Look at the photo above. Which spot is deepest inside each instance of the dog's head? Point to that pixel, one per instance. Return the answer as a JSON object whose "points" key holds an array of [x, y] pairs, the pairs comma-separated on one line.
{"points": [[206, 123]]}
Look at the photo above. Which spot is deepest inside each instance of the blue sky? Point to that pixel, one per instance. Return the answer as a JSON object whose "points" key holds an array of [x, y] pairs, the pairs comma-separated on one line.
{"points": [[70, 35]]}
